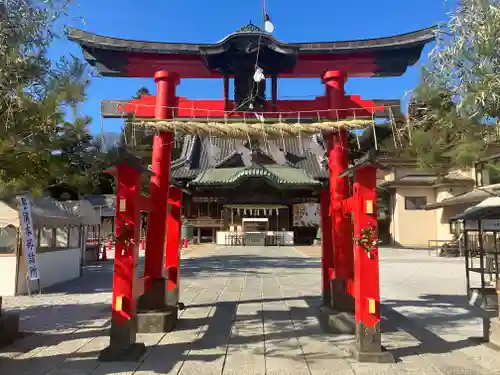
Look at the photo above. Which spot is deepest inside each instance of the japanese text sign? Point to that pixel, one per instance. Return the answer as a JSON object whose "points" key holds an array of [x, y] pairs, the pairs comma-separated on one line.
{"points": [[29, 238]]}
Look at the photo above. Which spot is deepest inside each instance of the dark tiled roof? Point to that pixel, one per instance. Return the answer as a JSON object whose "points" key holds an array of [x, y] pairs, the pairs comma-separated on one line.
{"points": [[408, 40], [196, 157]]}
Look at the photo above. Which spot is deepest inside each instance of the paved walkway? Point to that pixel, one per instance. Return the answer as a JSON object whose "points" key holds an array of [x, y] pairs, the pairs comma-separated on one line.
{"points": [[252, 311]]}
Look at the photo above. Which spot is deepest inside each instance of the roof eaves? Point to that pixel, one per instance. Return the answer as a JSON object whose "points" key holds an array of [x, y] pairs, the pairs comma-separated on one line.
{"points": [[471, 197], [184, 156], [92, 40], [453, 181]]}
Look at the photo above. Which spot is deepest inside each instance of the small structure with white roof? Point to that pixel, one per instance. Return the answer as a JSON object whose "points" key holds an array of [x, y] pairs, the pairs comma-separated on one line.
{"points": [[59, 230]]}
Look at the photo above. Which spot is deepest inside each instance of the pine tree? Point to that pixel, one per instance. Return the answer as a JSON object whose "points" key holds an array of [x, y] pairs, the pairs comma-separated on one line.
{"points": [[38, 145], [457, 104]]}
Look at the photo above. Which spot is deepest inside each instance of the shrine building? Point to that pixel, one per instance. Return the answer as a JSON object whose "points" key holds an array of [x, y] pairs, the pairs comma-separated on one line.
{"points": [[271, 191]]}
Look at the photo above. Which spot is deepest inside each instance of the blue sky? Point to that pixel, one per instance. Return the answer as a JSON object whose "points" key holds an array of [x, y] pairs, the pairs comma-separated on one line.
{"points": [[210, 21]]}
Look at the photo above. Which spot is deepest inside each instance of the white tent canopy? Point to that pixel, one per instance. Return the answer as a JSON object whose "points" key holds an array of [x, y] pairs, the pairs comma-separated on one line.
{"points": [[8, 216], [49, 213], [490, 202]]}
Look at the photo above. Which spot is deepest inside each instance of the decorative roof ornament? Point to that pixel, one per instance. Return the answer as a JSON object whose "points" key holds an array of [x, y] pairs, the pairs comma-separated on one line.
{"points": [[249, 28]]}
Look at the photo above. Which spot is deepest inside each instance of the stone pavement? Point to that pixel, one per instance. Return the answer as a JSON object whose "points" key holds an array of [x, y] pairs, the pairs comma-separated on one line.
{"points": [[252, 311]]}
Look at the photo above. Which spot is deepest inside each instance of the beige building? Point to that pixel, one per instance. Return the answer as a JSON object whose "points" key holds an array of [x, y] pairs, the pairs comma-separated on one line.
{"points": [[416, 203], [419, 204]]}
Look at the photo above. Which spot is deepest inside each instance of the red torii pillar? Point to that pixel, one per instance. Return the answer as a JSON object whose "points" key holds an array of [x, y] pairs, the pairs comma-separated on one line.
{"points": [[153, 304], [368, 347], [123, 345], [173, 246], [340, 264]]}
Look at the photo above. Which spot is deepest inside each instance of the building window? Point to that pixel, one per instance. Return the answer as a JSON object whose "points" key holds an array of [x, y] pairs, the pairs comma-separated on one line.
{"points": [[74, 237], [62, 237], [415, 203], [47, 237]]}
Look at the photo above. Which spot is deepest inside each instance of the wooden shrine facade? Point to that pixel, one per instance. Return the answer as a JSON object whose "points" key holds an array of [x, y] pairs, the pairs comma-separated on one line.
{"points": [[224, 190]]}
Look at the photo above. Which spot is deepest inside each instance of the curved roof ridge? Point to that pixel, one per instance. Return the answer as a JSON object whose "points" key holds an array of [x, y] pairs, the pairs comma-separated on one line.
{"points": [[289, 166], [78, 35], [95, 40], [425, 34]]}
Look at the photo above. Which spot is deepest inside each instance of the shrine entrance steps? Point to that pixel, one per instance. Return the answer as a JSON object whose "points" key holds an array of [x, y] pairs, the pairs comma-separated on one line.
{"points": [[252, 310]]}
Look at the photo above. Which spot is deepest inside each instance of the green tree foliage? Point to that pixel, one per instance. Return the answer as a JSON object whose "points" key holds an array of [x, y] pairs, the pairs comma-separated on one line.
{"points": [[93, 164], [38, 145], [457, 105]]}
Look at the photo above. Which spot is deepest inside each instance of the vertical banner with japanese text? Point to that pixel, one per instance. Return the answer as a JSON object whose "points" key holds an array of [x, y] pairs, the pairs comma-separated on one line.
{"points": [[29, 238]]}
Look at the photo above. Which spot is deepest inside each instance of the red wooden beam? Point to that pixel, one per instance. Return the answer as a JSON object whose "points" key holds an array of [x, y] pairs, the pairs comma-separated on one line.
{"points": [[145, 65], [353, 106]]}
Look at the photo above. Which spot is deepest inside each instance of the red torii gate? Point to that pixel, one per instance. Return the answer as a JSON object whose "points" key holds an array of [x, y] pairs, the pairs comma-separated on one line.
{"points": [[350, 278], [345, 287]]}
